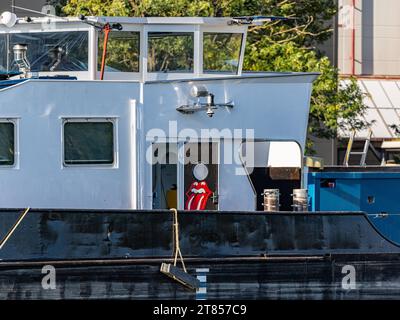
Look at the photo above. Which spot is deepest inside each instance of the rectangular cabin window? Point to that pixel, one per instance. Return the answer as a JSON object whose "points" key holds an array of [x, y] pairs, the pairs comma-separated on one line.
{"points": [[88, 142], [170, 52], [221, 52], [53, 51], [123, 51], [7, 143]]}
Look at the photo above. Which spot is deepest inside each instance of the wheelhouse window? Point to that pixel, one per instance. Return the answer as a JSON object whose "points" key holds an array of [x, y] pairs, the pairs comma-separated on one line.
{"points": [[123, 51], [53, 51], [170, 52], [88, 142], [221, 52], [7, 143]]}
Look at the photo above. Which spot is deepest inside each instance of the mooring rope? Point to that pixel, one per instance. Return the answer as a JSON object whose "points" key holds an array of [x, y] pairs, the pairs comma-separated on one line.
{"points": [[14, 227]]}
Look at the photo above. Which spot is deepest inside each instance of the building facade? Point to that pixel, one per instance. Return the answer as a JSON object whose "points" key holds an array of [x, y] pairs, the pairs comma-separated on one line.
{"points": [[365, 45]]}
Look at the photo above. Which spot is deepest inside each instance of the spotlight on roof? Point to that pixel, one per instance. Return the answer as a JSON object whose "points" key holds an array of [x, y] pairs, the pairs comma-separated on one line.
{"points": [[209, 105], [8, 19]]}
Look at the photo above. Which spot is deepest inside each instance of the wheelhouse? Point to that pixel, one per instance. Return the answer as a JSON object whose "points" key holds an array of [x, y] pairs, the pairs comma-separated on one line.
{"points": [[139, 49]]}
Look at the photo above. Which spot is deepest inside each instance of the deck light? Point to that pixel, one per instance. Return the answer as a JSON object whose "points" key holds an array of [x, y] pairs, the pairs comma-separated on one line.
{"points": [[198, 91], [8, 19], [209, 105]]}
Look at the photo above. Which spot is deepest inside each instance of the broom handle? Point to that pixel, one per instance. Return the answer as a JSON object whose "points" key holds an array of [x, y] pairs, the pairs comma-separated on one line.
{"points": [[177, 248]]}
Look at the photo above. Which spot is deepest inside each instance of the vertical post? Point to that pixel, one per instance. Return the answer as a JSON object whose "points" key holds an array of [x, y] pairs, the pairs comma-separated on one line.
{"points": [[144, 52], [181, 175], [198, 51], [92, 53], [242, 51], [134, 157], [8, 39]]}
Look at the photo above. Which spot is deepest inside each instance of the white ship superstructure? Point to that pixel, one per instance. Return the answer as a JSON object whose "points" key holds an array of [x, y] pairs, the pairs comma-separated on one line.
{"points": [[72, 140]]}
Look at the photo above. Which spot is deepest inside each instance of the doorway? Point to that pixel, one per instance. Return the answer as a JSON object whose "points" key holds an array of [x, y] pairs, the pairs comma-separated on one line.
{"points": [[201, 176]]}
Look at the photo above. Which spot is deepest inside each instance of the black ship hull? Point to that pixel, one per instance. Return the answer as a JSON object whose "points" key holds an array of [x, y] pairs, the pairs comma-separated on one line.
{"points": [[237, 255]]}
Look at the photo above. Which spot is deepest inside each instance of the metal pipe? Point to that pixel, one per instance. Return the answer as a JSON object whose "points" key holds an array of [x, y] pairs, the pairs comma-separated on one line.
{"points": [[106, 30], [157, 261]]}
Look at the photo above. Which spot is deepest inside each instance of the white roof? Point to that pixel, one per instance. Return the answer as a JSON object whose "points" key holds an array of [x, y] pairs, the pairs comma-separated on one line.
{"points": [[223, 21], [394, 144], [383, 101]]}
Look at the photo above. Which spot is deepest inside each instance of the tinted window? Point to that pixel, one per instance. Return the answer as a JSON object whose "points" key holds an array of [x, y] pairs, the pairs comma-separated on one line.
{"points": [[170, 52], [88, 143], [7, 149], [221, 52], [123, 51], [54, 51]]}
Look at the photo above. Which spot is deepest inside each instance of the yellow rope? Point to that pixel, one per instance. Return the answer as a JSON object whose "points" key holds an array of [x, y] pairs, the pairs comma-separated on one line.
{"points": [[14, 227]]}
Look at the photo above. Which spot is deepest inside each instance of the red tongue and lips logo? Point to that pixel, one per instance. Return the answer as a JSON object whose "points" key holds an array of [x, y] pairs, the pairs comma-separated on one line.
{"points": [[197, 196]]}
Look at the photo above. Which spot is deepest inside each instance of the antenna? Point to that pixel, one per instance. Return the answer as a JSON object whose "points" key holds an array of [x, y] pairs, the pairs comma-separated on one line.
{"points": [[39, 12], [257, 20]]}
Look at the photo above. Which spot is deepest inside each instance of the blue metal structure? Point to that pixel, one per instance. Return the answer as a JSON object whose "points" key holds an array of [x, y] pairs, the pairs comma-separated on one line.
{"points": [[376, 193], [12, 82], [8, 83]]}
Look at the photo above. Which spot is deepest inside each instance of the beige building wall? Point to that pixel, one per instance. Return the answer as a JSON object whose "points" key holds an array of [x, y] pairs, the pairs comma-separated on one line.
{"points": [[377, 37]]}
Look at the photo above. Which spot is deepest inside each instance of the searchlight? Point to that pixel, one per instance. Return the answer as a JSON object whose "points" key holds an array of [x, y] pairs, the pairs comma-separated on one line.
{"points": [[8, 19]]}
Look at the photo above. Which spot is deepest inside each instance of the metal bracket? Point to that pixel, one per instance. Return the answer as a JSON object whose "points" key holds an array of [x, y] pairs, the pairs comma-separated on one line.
{"points": [[209, 108]]}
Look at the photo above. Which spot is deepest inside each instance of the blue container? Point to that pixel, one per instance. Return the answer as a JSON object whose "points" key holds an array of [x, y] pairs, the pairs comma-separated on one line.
{"points": [[376, 193]]}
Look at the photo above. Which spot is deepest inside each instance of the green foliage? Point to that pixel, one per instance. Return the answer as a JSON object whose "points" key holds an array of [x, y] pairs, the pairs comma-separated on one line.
{"points": [[58, 4], [155, 8], [333, 106], [275, 46]]}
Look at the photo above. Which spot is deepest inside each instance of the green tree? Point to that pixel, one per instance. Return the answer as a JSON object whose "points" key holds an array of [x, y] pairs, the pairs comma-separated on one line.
{"points": [[275, 46]]}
